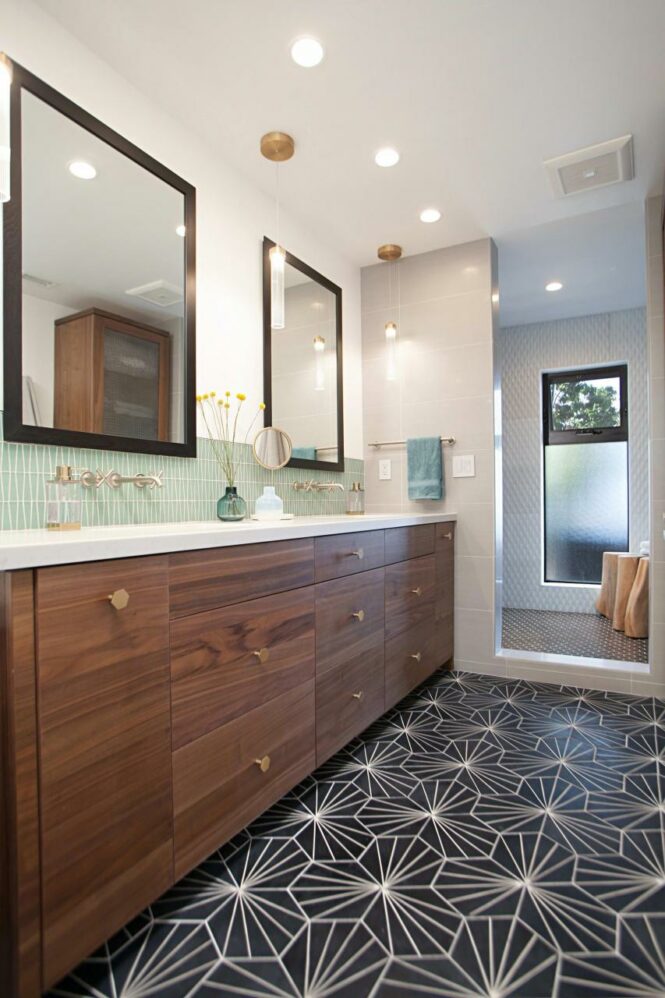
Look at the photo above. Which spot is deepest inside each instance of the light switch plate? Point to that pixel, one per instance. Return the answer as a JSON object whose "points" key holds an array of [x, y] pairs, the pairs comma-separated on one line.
{"points": [[385, 469], [464, 466]]}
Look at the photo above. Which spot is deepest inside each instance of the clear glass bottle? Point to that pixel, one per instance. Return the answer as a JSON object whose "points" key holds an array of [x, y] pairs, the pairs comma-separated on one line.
{"points": [[355, 499], [269, 506], [63, 501]]}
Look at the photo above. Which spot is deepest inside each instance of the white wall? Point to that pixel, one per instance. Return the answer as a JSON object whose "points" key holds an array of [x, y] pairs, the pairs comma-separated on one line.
{"points": [[38, 351], [232, 215]]}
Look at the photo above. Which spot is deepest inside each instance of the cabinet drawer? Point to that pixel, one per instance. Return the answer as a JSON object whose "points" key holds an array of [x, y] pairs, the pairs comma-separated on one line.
{"points": [[349, 619], [410, 658], [348, 699], [218, 785], [105, 750], [204, 580], [345, 554], [410, 594], [228, 661], [409, 542]]}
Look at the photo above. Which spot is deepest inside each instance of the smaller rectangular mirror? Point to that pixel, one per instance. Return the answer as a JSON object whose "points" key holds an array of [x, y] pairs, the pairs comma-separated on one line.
{"points": [[303, 364]]}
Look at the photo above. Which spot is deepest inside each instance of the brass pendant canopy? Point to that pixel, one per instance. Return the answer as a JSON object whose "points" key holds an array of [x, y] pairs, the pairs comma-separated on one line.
{"points": [[389, 251], [277, 146]]}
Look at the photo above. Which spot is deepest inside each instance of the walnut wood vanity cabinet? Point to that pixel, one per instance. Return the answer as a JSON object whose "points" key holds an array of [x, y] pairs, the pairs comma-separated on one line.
{"points": [[151, 707]]}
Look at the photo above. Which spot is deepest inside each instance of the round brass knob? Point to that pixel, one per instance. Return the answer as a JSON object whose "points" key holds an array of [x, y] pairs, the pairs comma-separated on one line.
{"points": [[358, 695], [417, 591], [359, 615], [263, 763], [360, 553], [119, 599], [417, 655], [262, 654]]}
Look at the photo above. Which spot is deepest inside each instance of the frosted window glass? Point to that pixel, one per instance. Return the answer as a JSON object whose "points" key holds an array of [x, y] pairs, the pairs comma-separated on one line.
{"points": [[586, 508]]}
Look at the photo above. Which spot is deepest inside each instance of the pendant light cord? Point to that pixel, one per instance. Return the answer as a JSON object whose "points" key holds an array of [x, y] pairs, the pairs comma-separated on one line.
{"points": [[277, 203]]}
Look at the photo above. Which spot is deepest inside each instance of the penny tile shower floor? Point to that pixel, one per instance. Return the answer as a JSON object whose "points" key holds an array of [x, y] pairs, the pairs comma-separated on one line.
{"points": [[586, 634], [487, 837]]}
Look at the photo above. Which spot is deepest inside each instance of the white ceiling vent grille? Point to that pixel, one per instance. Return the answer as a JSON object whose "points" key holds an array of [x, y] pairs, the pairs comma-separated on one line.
{"points": [[157, 293], [596, 166]]}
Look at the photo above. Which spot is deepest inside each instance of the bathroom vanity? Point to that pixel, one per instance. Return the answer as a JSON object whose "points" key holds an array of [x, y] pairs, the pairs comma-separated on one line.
{"points": [[162, 686]]}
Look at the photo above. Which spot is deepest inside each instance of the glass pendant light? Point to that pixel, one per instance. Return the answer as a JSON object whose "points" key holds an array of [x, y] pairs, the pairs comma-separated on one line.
{"points": [[319, 364], [391, 351], [391, 253], [5, 155], [277, 147]]}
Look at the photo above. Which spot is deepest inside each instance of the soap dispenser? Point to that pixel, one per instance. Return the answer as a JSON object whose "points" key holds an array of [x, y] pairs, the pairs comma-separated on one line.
{"points": [[269, 506], [63, 502], [355, 499]]}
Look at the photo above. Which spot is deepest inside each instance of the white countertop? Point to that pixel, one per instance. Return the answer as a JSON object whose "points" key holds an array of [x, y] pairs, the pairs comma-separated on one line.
{"points": [[35, 548]]}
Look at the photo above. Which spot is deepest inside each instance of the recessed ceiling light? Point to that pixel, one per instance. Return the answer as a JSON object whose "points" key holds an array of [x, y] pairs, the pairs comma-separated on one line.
{"points": [[307, 52], [554, 286], [180, 230], [495, 297], [430, 215], [386, 156], [84, 171], [589, 174]]}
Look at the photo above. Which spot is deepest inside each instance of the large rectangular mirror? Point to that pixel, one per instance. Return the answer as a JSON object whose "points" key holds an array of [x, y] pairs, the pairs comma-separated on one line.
{"points": [[98, 285], [302, 363]]}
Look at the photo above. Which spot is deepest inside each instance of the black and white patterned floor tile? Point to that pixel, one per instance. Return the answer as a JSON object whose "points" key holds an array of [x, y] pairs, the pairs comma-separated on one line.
{"points": [[487, 837]]}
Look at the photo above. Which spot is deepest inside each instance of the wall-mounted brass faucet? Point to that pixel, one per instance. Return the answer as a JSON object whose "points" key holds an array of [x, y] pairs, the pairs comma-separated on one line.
{"points": [[313, 486], [93, 479]]}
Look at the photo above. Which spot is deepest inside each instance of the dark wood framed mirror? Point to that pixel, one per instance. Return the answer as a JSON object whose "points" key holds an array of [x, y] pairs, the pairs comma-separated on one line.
{"points": [[98, 284], [302, 363]]}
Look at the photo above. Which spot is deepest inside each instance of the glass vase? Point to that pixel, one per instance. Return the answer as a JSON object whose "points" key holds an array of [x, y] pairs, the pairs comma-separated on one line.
{"points": [[231, 506]]}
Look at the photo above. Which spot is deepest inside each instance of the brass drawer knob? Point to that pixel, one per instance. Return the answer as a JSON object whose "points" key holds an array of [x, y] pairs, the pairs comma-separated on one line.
{"points": [[448, 536], [417, 655], [359, 615], [119, 599], [360, 554], [417, 591], [262, 654], [358, 695], [263, 763]]}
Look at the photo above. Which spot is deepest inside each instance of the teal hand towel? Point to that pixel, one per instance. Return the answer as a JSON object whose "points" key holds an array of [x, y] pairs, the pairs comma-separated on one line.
{"points": [[304, 453], [424, 468]]}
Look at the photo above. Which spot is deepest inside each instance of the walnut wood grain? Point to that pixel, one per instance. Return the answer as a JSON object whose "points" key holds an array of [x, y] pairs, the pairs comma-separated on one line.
{"points": [[345, 554], [348, 699], [342, 637], [20, 903], [404, 670], [204, 580], [403, 543], [219, 788], [410, 594], [216, 664], [445, 590], [105, 751]]}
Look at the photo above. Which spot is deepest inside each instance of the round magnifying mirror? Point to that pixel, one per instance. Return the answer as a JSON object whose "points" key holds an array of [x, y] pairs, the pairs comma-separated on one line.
{"points": [[272, 448]]}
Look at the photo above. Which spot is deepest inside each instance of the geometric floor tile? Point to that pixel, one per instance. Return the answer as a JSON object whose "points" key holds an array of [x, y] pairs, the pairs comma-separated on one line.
{"points": [[487, 837]]}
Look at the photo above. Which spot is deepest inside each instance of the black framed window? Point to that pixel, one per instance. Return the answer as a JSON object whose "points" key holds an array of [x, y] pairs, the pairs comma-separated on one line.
{"points": [[585, 439]]}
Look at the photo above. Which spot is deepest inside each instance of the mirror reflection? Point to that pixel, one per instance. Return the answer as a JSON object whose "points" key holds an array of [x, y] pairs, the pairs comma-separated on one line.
{"points": [[305, 393], [103, 285], [272, 448]]}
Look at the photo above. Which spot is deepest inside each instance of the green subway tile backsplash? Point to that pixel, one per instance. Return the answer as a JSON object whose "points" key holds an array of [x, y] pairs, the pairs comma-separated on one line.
{"points": [[191, 488]]}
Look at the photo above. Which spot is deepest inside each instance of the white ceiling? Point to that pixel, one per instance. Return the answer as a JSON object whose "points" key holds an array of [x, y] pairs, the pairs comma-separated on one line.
{"points": [[599, 258], [474, 93]]}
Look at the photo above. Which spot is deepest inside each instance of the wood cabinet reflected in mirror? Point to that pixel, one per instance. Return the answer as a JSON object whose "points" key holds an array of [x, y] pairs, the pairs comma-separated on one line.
{"points": [[302, 364], [99, 311]]}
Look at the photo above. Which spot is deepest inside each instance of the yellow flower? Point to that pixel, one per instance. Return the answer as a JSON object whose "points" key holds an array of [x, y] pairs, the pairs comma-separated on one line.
{"points": [[198, 398], [212, 394], [205, 396], [228, 394], [220, 402], [227, 405], [241, 397]]}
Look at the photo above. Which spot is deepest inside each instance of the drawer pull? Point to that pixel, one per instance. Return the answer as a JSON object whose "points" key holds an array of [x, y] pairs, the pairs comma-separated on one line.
{"points": [[417, 591], [358, 695], [359, 615], [263, 654], [119, 599], [448, 536], [417, 655], [263, 763], [360, 554]]}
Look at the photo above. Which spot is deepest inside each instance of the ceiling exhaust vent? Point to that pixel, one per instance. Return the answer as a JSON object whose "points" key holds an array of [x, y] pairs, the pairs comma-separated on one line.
{"points": [[42, 282], [596, 166], [157, 293]]}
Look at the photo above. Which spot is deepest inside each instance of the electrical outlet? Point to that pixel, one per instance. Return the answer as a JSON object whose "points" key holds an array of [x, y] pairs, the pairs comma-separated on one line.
{"points": [[385, 469], [464, 466]]}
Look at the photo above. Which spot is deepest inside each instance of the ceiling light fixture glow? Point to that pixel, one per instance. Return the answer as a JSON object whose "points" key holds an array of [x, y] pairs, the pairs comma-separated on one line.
{"points": [[554, 286], [430, 215], [386, 156], [82, 170], [307, 52], [180, 230]]}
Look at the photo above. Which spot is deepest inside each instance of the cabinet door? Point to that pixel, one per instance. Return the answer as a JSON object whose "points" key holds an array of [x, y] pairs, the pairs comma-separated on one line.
{"points": [[105, 750], [445, 590]]}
